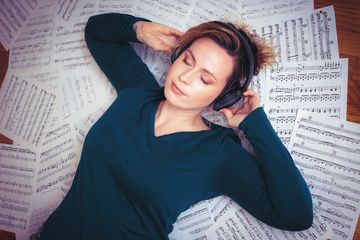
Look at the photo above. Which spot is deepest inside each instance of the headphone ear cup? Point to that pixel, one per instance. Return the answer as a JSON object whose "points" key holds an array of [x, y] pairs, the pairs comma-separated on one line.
{"points": [[228, 100]]}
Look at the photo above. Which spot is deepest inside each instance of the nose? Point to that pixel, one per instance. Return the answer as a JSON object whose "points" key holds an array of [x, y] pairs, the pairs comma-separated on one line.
{"points": [[187, 76]]}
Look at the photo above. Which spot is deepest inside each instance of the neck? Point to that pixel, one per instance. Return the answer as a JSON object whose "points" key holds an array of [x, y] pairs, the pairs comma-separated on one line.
{"points": [[178, 118]]}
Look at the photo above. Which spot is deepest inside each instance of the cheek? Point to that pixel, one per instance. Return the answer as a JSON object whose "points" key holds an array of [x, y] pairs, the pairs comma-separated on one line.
{"points": [[205, 93]]}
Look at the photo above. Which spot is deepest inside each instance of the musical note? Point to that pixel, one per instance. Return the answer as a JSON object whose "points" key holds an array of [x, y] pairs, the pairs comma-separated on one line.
{"points": [[13, 18], [286, 92], [17, 176], [327, 152], [301, 36], [33, 48]]}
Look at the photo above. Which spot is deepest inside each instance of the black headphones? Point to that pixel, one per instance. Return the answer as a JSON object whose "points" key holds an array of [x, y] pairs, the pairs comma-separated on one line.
{"points": [[235, 92]]}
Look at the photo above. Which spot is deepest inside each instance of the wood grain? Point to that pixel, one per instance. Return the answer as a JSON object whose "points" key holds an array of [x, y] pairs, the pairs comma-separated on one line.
{"points": [[347, 13]]}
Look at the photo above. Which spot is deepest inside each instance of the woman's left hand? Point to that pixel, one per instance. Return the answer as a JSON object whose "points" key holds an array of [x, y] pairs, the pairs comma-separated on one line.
{"points": [[235, 116]]}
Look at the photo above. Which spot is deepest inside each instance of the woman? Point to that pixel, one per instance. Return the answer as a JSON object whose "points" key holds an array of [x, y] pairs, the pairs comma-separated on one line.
{"points": [[151, 155]]}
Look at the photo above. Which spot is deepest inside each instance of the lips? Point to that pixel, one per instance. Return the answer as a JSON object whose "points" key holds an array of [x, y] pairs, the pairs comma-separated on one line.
{"points": [[176, 89]]}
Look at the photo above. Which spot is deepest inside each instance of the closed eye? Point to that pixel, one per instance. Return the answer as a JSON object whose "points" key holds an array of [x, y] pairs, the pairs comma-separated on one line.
{"points": [[205, 82], [184, 61]]}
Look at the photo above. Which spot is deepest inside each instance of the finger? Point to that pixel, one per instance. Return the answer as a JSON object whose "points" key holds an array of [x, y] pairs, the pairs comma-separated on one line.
{"points": [[227, 112], [241, 111], [176, 32], [248, 93], [246, 100]]}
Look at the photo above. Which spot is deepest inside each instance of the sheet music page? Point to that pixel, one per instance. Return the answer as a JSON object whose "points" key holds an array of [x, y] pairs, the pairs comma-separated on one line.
{"points": [[33, 48], [82, 126], [57, 156], [25, 107], [233, 222], [193, 223], [251, 10], [309, 35], [17, 173], [121, 6], [327, 152], [70, 48], [88, 9], [67, 10], [203, 11], [171, 13], [43, 205], [319, 86], [13, 18], [83, 92]]}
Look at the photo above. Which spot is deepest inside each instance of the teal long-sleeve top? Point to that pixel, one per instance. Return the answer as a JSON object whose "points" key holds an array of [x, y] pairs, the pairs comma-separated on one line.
{"points": [[132, 184]]}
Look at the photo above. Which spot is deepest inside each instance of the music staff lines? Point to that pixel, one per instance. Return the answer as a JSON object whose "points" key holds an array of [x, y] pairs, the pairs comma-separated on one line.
{"points": [[331, 183], [310, 121], [224, 210], [312, 185], [326, 171], [56, 134], [334, 203], [333, 212], [17, 154], [12, 207], [331, 155], [11, 173], [327, 143], [246, 222], [324, 162], [336, 222], [329, 134]]}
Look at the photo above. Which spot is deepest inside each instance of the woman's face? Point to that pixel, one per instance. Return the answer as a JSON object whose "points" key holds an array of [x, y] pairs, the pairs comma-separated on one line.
{"points": [[198, 75]]}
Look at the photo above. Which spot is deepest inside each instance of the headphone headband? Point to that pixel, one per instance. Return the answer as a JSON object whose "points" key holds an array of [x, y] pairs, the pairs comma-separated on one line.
{"points": [[249, 53], [233, 94]]}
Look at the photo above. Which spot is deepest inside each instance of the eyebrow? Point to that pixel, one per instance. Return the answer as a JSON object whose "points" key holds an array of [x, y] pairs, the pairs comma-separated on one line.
{"points": [[207, 71]]}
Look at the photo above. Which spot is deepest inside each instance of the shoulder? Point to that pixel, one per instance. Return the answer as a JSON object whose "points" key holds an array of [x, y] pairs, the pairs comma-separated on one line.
{"points": [[138, 95]]}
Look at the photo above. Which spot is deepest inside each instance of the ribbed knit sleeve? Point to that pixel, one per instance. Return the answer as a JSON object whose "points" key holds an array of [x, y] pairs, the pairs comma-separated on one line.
{"points": [[270, 186], [107, 37]]}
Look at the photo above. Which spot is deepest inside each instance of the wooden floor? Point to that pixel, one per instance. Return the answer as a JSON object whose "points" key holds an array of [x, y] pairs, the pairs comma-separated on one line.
{"points": [[348, 31]]}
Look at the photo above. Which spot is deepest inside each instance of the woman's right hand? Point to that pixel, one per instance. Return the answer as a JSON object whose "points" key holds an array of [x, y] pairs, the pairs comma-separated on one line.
{"points": [[156, 35]]}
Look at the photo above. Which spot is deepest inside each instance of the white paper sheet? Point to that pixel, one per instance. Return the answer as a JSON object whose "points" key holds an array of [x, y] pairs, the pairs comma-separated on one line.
{"points": [[70, 48], [302, 36], [83, 92], [121, 6], [171, 13], [193, 223], [25, 107], [203, 11], [233, 222], [33, 48], [43, 205], [327, 152], [68, 10], [17, 173], [310, 36], [251, 10], [13, 18], [57, 156], [319, 86]]}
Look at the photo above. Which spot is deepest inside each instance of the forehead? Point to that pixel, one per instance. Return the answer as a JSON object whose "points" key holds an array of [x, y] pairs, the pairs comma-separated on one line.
{"points": [[209, 55]]}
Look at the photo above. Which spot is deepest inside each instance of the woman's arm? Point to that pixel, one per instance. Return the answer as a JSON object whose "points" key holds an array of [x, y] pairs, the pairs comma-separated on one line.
{"points": [[107, 37], [270, 186]]}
